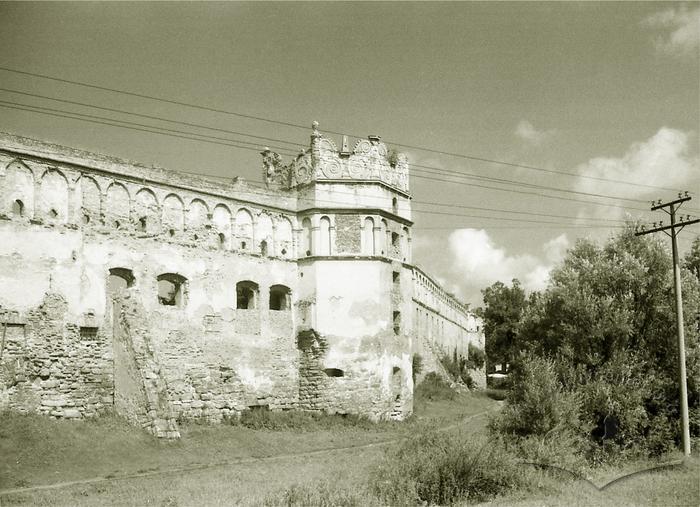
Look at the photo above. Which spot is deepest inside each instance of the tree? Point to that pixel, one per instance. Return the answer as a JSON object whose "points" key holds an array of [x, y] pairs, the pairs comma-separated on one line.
{"points": [[692, 259], [608, 318], [502, 312]]}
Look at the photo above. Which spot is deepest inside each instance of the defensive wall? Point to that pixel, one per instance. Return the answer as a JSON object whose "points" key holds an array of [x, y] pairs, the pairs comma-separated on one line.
{"points": [[165, 297]]}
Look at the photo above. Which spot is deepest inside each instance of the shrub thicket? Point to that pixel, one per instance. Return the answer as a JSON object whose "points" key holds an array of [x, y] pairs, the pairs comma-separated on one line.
{"points": [[444, 468], [541, 420], [607, 318]]}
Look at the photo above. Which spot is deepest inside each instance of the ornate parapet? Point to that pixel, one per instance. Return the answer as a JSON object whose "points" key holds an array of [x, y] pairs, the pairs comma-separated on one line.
{"points": [[369, 160]]}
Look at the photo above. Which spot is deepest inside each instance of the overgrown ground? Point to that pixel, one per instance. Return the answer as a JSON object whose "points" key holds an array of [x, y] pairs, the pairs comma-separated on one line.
{"points": [[323, 462]]}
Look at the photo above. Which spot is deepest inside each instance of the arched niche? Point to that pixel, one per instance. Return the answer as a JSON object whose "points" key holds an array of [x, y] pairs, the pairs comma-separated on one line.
{"points": [[53, 197], [284, 239], [197, 214], [19, 187], [90, 198], [244, 229], [263, 234], [117, 205], [173, 213]]}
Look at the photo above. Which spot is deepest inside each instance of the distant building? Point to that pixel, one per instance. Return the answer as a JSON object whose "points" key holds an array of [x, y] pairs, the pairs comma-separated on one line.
{"points": [[168, 297]]}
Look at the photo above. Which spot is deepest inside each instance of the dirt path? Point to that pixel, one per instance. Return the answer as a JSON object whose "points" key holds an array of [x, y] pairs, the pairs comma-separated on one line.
{"points": [[227, 463]]}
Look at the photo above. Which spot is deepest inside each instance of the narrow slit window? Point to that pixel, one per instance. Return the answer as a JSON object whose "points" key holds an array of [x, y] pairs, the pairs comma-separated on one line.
{"points": [[397, 322]]}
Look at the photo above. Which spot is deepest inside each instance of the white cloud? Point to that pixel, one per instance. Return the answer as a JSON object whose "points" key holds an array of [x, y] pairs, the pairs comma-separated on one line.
{"points": [[528, 133], [663, 160], [478, 262], [678, 31]]}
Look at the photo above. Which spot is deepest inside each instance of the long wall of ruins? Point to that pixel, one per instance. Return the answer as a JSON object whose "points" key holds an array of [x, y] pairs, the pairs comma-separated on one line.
{"points": [[168, 297]]}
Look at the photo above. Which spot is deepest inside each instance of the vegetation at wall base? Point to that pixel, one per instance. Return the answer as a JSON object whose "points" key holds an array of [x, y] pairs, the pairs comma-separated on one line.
{"points": [[299, 420], [433, 388]]}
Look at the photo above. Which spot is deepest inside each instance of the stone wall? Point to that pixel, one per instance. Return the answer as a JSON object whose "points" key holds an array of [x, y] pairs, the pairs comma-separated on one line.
{"points": [[54, 367]]}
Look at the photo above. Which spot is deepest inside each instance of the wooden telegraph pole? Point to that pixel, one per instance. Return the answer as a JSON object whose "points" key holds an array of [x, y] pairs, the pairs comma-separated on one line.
{"points": [[676, 226]]}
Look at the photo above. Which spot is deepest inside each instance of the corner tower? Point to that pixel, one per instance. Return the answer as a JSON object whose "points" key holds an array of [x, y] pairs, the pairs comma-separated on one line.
{"points": [[355, 280]]}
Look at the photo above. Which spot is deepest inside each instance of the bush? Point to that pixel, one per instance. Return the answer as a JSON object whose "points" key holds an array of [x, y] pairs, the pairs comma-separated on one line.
{"points": [[537, 403], [477, 357], [444, 468], [434, 388], [318, 494]]}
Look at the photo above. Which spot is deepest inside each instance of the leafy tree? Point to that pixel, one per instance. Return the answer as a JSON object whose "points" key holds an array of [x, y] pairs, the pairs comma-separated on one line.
{"points": [[501, 314], [692, 258], [608, 318]]}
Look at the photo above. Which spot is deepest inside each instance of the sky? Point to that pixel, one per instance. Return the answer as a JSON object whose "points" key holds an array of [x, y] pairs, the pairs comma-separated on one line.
{"points": [[606, 92]]}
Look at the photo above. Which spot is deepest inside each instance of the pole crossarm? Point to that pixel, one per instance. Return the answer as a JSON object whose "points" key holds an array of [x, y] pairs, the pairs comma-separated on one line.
{"points": [[678, 225], [681, 199]]}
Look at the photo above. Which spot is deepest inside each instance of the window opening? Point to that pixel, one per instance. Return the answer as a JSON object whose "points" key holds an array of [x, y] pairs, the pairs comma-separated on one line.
{"points": [[222, 240], [143, 223], [263, 248], [86, 219], [394, 239], [171, 289], [397, 322], [280, 297], [246, 295], [18, 208], [88, 333], [395, 206], [334, 372]]}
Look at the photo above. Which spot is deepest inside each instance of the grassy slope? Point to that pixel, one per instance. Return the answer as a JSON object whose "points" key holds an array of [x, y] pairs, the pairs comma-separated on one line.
{"points": [[38, 451]]}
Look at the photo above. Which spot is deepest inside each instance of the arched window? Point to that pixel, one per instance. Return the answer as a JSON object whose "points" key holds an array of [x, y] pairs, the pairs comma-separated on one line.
{"points": [[18, 208], [171, 289], [368, 237], [395, 206], [246, 295], [263, 248], [324, 241], [280, 298], [119, 279], [306, 243]]}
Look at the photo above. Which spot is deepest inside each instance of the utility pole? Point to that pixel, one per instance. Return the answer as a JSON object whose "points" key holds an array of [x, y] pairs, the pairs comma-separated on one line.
{"points": [[675, 228]]}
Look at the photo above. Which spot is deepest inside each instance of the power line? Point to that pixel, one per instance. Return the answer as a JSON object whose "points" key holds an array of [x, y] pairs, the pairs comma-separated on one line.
{"points": [[3, 104], [296, 125], [440, 171], [150, 117], [230, 142], [415, 210]]}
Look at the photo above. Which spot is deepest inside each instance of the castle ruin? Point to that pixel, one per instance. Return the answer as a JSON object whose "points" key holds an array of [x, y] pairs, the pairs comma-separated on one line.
{"points": [[164, 296]]}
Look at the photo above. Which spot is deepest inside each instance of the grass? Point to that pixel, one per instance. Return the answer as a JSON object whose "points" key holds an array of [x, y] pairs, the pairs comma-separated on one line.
{"points": [[39, 451], [36, 451]]}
